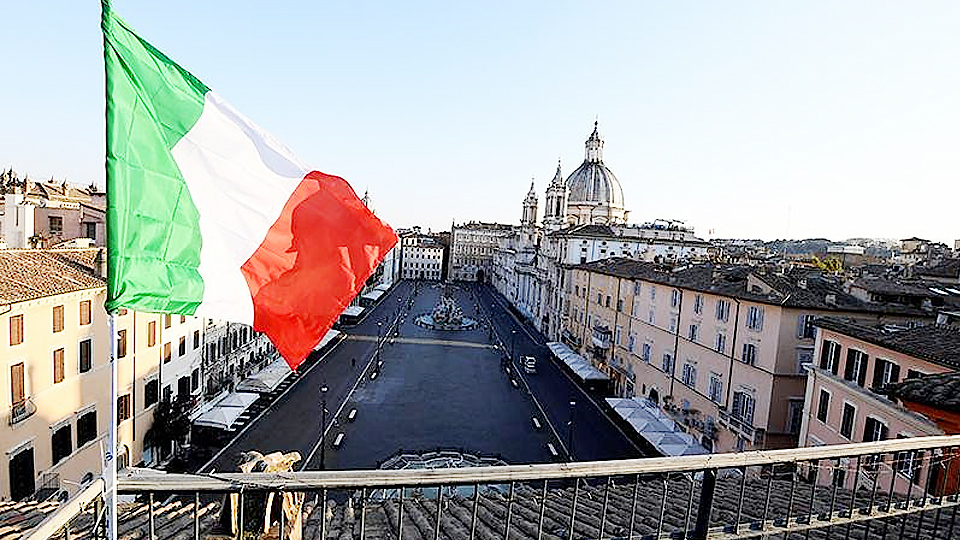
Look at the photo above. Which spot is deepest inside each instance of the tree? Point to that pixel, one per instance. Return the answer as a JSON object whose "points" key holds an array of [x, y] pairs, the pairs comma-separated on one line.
{"points": [[171, 425], [830, 264]]}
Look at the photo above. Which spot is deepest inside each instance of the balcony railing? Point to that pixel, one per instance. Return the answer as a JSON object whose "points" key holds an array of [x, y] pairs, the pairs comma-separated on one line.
{"points": [[22, 410], [740, 426], [789, 493]]}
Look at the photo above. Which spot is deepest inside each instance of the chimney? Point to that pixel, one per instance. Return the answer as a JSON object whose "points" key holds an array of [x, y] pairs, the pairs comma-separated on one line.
{"points": [[830, 299]]}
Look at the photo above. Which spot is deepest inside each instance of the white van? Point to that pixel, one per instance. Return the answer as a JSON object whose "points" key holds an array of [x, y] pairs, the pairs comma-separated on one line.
{"points": [[529, 364]]}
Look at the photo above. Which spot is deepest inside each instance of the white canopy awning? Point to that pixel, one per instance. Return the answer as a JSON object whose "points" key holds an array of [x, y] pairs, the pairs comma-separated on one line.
{"points": [[267, 379], [584, 369], [327, 338], [224, 413], [373, 295], [656, 427], [353, 311]]}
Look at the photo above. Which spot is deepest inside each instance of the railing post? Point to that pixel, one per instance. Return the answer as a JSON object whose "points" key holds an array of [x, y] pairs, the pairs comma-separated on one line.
{"points": [[152, 526], [706, 505]]}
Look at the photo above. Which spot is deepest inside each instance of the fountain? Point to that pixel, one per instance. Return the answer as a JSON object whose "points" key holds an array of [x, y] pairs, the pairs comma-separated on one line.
{"points": [[446, 315]]}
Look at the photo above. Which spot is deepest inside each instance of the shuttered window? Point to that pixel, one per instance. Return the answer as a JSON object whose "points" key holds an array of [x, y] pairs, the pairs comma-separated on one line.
{"points": [[57, 367], [57, 319]]}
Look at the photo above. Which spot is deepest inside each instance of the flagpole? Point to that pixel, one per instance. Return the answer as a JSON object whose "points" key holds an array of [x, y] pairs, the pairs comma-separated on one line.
{"points": [[110, 457]]}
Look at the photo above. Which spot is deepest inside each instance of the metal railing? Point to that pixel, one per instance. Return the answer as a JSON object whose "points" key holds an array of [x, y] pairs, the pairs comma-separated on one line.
{"points": [[843, 491], [22, 410]]}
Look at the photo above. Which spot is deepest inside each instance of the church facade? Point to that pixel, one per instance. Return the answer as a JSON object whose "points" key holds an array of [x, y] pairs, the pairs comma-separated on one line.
{"points": [[584, 219]]}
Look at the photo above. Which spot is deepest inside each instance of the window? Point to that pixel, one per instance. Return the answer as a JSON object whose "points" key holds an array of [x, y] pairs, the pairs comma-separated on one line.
{"points": [[913, 374], [690, 375], [183, 319], [166, 353], [667, 363], [617, 335], [196, 339], [716, 388], [16, 330], [650, 318], [645, 354], [636, 288], [856, 368], [166, 321], [90, 230], [653, 292], [17, 384], [830, 356], [57, 367], [723, 310], [674, 298], [86, 427], [151, 333], [182, 349], [56, 224], [607, 304], [599, 299], [631, 342], [620, 305], [874, 430], [846, 421], [743, 406], [794, 416], [673, 323], [62, 443], [698, 304], [123, 407], [823, 405], [908, 463], [721, 344], [885, 372], [183, 387], [749, 354], [694, 330], [576, 291], [755, 318], [86, 356], [85, 312], [195, 379], [121, 343], [805, 327], [57, 319], [151, 392]]}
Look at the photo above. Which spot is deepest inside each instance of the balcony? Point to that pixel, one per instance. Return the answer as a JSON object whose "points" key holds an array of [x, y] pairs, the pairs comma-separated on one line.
{"points": [[22, 410], [741, 427], [770, 494], [601, 337]]}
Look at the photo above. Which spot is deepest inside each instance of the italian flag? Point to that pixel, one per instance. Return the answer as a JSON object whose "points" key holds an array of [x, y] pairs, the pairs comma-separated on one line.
{"points": [[209, 215]]}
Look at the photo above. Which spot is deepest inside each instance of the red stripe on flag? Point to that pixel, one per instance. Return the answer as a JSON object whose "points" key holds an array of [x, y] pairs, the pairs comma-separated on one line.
{"points": [[312, 263]]}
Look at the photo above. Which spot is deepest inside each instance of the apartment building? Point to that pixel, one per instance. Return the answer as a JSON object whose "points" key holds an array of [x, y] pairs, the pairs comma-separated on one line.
{"points": [[720, 348], [846, 397], [55, 390], [231, 351], [422, 256], [473, 247], [44, 214]]}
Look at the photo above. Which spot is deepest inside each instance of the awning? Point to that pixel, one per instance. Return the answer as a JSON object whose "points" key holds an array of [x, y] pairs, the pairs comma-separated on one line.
{"points": [[651, 423], [382, 287], [223, 413], [353, 311], [373, 295], [327, 338], [584, 369], [267, 379]]}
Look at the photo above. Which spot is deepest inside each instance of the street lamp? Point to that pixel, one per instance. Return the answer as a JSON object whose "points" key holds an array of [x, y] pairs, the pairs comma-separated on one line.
{"points": [[379, 327], [573, 405], [323, 425], [513, 346]]}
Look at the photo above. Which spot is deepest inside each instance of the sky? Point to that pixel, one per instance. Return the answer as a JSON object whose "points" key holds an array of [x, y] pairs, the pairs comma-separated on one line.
{"points": [[743, 119]]}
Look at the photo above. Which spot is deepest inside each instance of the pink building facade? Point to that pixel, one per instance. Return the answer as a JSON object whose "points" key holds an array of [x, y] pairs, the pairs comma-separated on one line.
{"points": [[842, 405]]}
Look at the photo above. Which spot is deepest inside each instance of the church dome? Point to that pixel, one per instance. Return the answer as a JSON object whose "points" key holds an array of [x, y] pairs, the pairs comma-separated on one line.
{"points": [[594, 182]]}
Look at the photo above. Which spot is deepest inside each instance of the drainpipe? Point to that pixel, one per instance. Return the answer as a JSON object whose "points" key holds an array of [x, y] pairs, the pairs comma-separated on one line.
{"points": [[676, 343], [733, 351]]}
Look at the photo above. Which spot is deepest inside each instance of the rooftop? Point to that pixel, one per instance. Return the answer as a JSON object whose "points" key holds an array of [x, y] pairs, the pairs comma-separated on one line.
{"points": [[937, 343], [941, 390], [26, 274]]}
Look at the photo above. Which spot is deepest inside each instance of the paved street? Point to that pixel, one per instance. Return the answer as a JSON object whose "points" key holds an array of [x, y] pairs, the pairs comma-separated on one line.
{"points": [[436, 389]]}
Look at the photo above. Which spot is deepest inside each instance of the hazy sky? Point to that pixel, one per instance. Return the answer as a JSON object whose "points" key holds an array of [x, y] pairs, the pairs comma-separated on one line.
{"points": [[751, 119]]}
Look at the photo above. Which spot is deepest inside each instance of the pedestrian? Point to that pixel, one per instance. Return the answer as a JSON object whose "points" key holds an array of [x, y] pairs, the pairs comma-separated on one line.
{"points": [[353, 362]]}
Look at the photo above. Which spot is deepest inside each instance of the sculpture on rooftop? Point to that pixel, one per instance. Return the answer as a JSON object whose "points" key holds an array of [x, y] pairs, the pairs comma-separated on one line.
{"points": [[261, 514]]}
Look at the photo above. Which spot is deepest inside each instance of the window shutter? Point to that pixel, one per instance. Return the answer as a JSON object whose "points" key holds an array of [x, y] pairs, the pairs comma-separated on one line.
{"points": [[878, 373], [862, 367], [848, 369], [894, 373]]}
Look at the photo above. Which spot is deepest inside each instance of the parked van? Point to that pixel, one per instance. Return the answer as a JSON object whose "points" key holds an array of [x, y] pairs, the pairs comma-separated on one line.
{"points": [[529, 364]]}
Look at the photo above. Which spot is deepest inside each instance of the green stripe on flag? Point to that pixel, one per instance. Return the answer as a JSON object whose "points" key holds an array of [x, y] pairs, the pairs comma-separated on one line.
{"points": [[153, 231]]}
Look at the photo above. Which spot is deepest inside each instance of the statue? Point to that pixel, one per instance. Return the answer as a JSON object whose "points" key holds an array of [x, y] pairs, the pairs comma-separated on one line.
{"points": [[261, 513]]}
